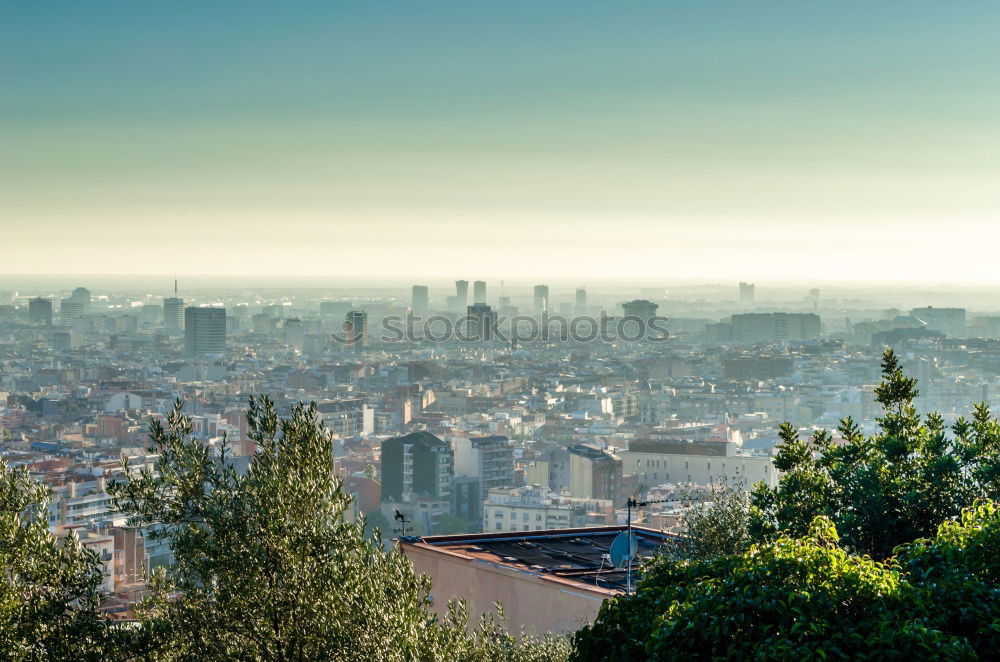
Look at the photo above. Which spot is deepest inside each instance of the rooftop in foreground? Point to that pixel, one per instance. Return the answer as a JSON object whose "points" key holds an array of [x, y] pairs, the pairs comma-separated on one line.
{"points": [[576, 557]]}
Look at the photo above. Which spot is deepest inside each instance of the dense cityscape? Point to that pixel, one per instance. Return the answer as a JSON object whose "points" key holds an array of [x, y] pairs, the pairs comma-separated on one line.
{"points": [[465, 433], [499, 332]]}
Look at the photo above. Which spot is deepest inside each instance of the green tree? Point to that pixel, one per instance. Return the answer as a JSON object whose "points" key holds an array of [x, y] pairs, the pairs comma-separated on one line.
{"points": [[718, 525], [266, 566], [490, 641], [49, 587], [808, 598], [887, 489]]}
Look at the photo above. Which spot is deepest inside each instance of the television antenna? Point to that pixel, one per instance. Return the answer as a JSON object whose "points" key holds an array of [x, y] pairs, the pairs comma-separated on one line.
{"points": [[627, 547], [403, 522]]}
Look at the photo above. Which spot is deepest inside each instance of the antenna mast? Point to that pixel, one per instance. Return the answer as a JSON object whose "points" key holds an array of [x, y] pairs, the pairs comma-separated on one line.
{"points": [[403, 528], [630, 504]]}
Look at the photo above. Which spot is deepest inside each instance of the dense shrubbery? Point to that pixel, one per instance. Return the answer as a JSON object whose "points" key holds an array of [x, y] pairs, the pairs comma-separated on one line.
{"points": [[266, 566], [887, 489], [808, 598], [873, 548], [49, 589]]}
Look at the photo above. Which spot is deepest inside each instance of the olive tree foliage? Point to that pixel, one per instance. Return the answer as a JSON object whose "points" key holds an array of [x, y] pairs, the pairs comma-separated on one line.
{"points": [[887, 489], [266, 567], [717, 525], [49, 587], [490, 641], [808, 598]]}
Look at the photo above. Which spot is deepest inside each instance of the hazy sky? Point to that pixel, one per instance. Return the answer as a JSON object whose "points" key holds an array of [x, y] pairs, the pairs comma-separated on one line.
{"points": [[675, 139]]}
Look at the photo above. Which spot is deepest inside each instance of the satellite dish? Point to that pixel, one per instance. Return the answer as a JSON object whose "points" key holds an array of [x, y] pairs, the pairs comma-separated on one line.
{"points": [[623, 548]]}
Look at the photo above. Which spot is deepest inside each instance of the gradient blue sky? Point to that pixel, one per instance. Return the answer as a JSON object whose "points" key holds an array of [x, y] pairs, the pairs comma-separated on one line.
{"points": [[696, 140]]}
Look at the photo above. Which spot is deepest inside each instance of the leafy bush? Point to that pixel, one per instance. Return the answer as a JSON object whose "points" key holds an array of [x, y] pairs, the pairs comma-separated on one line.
{"points": [[887, 489], [268, 568], [808, 598], [48, 587], [716, 527]]}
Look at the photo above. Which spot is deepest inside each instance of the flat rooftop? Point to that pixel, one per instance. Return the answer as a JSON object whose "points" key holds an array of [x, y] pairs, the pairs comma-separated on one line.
{"points": [[574, 556]]}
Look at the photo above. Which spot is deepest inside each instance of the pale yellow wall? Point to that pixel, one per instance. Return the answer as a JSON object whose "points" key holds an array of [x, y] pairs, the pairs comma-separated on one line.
{"points": [[670, 468], [581, 477], [529, 601]]}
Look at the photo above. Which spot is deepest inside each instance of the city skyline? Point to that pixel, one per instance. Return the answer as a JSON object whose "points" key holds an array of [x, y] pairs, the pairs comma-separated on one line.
{"points": [[663, 141]]}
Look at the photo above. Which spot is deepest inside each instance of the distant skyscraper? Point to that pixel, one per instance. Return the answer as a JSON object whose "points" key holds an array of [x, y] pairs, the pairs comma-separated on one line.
{"points": [[541, 298], [641, 308], [357, 329], [295, 333], [581, 301], [173, 315], [204, 331], [481, 318], [746, 292], [81, 295], [479, 291], [775, 327], [70, 309], [40, 311], [462, 292], [420, 299]]}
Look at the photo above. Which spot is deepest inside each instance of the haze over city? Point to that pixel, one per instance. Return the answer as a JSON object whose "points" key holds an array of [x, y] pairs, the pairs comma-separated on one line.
{"points": [[499, 332]]}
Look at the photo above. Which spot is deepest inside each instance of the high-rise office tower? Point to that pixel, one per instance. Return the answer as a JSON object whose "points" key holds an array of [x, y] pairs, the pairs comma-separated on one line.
{"points": [[204, 331], [481, 322], [295, 332], [746, 292], [541, 298], [462, 292], [479, 291], [581, 301], [81, 295], [40, 311], [357, 329], [70, 309], [173, 313], [420, 299], [644, 310]]}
